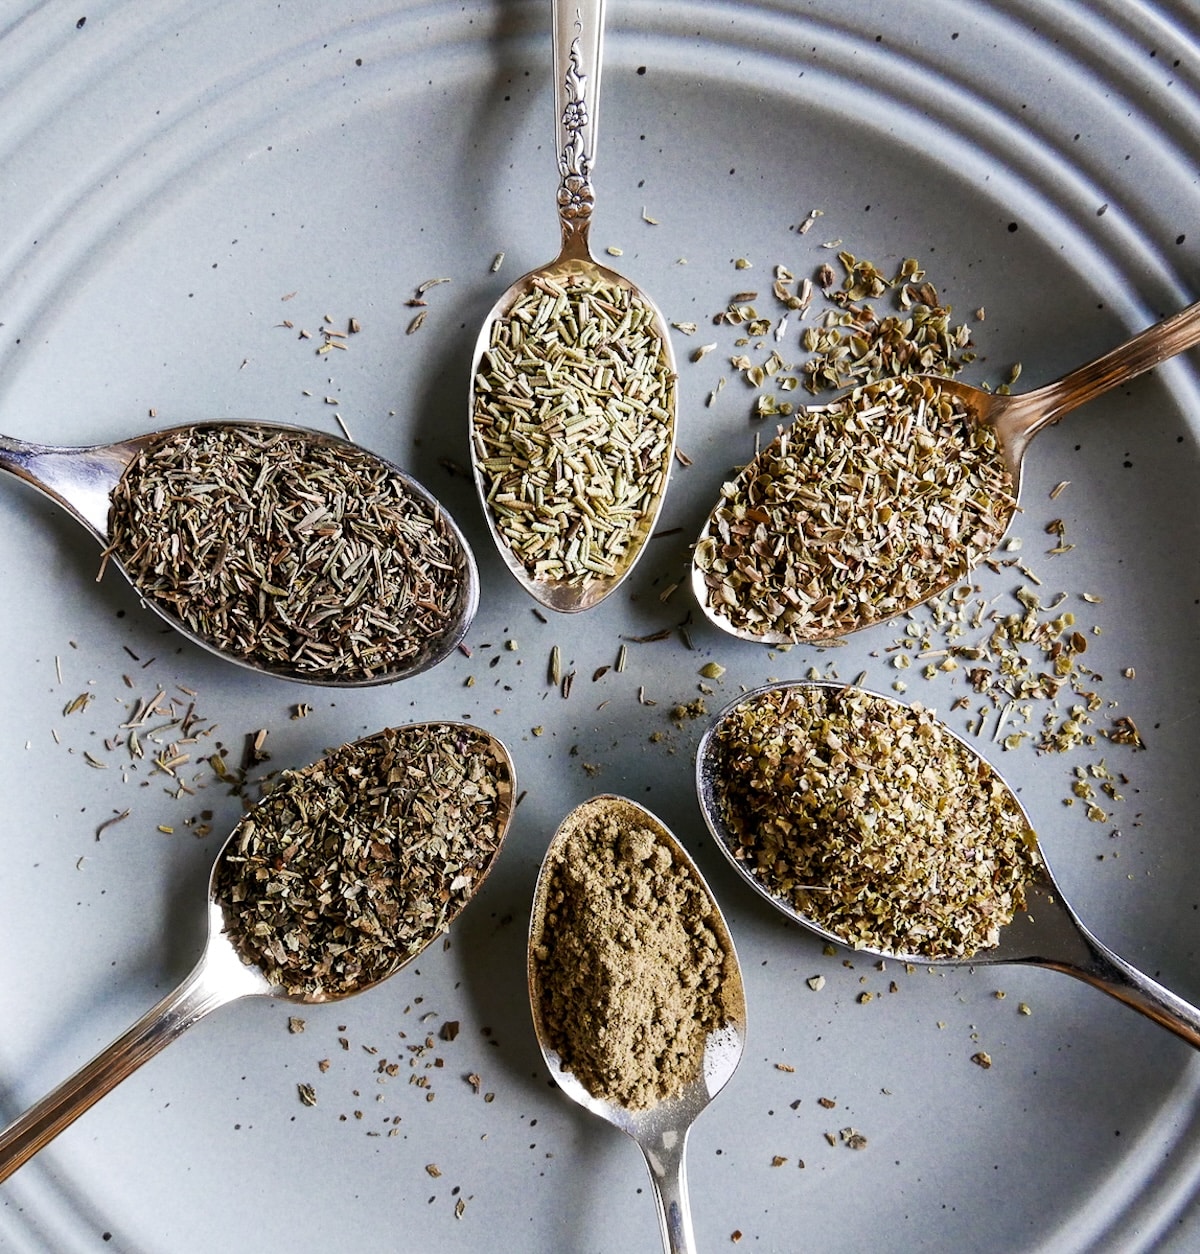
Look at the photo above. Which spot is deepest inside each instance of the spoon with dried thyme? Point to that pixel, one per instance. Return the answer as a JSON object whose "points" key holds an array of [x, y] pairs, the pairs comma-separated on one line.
{"points": [[875, 826], [281, 549], [635, 987], [887, 496], [573, 382], [344, 873]]}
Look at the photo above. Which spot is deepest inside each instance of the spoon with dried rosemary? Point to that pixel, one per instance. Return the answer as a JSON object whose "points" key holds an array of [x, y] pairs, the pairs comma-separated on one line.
{"points": [[281, 549], [573, 382], [875, 826], [343, 874], [635, 987], [889, 495]]}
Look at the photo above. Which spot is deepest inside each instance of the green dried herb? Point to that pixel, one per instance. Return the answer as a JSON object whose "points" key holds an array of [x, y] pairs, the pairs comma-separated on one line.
{"points": [[351, 866], [856, 512], [871, 819], [572, 426]]}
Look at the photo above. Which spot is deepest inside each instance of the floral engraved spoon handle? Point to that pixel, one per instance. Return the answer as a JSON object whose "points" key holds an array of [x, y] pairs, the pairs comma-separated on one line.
{"points": [[578, 48]]}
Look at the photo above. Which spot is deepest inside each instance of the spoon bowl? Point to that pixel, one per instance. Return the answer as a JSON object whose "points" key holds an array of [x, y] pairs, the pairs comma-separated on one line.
{"points": [[219, 977], [661, 1128], [82, 480], [578, 583], [1046, 932], [1014, 419]]}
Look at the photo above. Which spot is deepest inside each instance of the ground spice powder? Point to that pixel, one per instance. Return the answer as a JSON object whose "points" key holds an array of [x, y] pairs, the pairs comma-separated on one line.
{"points": [[628, 957]]}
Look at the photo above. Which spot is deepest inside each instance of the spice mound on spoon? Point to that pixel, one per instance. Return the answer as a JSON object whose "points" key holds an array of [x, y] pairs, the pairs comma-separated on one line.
{"points": [[878, 828], [886, 497], [343, 874], [284, 550], [635, 987], [573, 383]]}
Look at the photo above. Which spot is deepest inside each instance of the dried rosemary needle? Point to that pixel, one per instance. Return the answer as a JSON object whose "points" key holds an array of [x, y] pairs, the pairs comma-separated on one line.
{"points": [[304, 556]]}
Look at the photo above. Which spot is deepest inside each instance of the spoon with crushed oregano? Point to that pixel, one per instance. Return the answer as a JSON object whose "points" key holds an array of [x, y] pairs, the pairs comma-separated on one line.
{"points": [[284, 550], [874, 825], [635, 987], [573, 382], [344, 873], [864, 508]]}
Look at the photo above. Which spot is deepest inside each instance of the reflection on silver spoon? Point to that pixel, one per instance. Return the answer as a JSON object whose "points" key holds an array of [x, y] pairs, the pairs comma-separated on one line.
{"points": [[1044, 931], [284, 550], [223, 974]]}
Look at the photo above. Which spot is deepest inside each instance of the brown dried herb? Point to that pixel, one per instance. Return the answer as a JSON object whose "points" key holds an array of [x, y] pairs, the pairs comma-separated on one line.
{"points": [[630, 959]]}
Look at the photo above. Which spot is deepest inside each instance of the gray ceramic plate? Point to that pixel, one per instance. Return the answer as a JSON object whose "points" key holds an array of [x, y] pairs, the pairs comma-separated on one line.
{"points": [[181, 179]]}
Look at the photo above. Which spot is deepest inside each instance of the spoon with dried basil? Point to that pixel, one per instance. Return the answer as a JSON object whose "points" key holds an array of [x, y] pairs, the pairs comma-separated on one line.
{"points": [[889, 495], [636, 992], [284, 550], [344, 873], [875, 826], [573, 382]]}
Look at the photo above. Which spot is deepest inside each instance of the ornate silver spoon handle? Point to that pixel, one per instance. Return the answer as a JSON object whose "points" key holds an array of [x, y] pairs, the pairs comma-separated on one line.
{"points": [[578, 47]]}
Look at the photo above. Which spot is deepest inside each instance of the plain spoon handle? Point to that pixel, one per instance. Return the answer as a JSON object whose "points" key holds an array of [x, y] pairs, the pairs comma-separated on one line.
{"points": [[199, 994], [668, 1175], [578, 49], [1096, 964], [78, 479], [1147, 349]]}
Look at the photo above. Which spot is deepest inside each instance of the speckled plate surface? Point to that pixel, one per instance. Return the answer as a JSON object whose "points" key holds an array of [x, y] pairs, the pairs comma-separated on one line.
{"points": [[187, 187]]}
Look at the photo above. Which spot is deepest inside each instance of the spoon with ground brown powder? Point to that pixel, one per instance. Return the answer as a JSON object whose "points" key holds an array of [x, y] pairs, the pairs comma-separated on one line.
{"points": [[875, 826], [347, 871], [866, 507], [636, 992]]}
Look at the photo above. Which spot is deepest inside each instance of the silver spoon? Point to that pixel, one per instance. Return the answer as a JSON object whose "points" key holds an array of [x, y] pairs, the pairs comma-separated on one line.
{"points": [[220, 977], [578, 43], [1047, 933], [1016, 419], [661, 1130], [81, 480]]}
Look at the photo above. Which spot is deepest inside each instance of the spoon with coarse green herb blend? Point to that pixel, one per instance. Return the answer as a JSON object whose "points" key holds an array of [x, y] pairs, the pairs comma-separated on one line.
{"points": [[285, 550], [342, 875], [636, 992], [886, 497], [878, 828], [573, 383]]}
